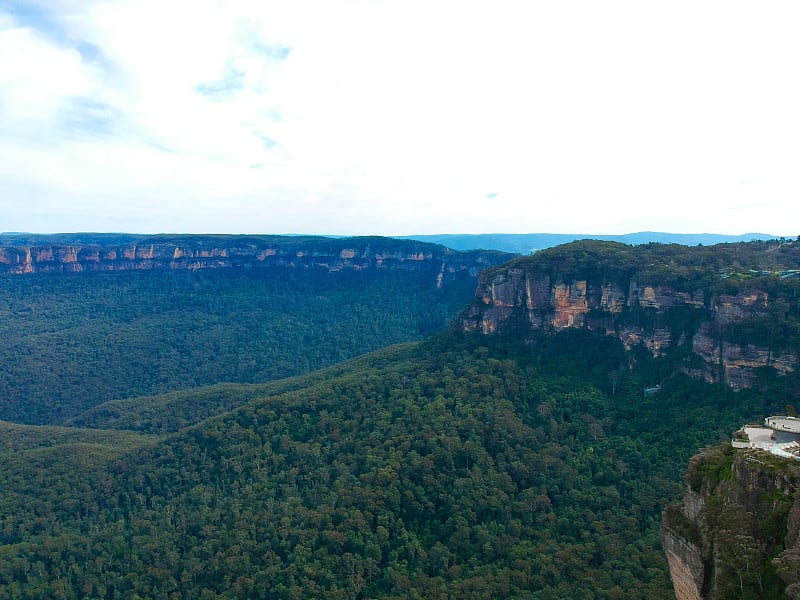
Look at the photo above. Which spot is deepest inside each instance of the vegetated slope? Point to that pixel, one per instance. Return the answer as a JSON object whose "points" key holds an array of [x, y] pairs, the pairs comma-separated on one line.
{"points": [[23, 239], [19, 438], [737, 533], [462, 467], [527, 463], [47, 472], [72, 341], [168, 413]]}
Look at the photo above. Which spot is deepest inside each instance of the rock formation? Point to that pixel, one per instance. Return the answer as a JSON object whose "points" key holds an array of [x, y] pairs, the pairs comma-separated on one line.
{"points": [[215, 252], [625, 300], [736, 533]]}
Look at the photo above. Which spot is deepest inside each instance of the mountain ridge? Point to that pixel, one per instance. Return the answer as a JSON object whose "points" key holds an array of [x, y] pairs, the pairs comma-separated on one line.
{"points": [[527, 243], [514, 243], [114, 252]]}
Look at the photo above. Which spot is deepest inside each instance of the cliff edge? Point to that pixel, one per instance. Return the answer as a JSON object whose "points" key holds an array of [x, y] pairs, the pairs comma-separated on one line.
{"points": [[730, 310], [62, 254], [736, 533]]}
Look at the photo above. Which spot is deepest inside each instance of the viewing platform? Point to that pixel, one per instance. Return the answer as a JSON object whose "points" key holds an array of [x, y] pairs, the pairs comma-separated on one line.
{"points": [[790, 424], [780, 436]]}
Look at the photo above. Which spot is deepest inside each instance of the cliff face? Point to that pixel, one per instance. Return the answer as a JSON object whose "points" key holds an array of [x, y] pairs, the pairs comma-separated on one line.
{"points": [[553, 303], [214, 252], [736, 533], [632, 304]]}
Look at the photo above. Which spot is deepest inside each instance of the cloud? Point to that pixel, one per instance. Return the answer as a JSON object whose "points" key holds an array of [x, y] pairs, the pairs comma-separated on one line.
{"points": [[41, 75], [85, 117], [35, 16], [396, 117], [268, 142], [232, 80]]}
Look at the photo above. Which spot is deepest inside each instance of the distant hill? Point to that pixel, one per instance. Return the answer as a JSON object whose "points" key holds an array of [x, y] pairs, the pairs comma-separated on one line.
{"points": [[71, 253], [516, 243], [83, 238], [526, 243], [730, 309]]}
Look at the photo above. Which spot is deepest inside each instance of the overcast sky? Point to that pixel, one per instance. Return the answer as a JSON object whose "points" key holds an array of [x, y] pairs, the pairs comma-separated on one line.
{"points": [[400, 117]]}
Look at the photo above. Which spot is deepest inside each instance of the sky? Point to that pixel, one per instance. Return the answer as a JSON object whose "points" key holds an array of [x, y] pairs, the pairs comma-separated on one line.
{"points": [[400, 117]]}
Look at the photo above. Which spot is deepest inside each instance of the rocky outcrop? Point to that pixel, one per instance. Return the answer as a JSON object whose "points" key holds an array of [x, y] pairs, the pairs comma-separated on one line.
{"points": [[551, 304], [216, 252], [742, 507], [731, 363], [686, 566], [735, 364], [633, 306]]}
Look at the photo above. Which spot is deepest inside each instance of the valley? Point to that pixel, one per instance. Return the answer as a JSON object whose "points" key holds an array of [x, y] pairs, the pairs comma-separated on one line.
{"points": [[259, 432]]}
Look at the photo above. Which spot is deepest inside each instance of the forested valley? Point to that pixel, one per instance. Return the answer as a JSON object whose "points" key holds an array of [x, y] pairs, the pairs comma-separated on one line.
{"points": [[72, 341], [519, 464]]}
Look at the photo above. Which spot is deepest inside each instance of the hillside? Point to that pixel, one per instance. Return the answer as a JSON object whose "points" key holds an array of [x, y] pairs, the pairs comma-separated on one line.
{"points": [[171, 412], [522, 459], [83, 332], [441, 470]]}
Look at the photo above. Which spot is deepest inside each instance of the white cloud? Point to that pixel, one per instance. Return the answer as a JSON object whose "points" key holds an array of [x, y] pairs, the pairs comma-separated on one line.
{"points": [[399, 117], [36, 76]]}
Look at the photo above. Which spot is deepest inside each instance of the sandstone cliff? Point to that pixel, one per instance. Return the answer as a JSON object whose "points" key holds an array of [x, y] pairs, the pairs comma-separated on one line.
{"points": [[736, 533], [215, 252], [617, 290]]}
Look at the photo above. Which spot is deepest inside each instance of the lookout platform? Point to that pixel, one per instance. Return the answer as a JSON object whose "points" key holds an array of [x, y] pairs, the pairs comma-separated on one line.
{"points": [[788, 424], [780, 436]]}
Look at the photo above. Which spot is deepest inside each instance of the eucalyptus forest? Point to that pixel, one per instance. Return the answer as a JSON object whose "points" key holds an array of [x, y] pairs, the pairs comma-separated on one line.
{"points": [[235, 434]]}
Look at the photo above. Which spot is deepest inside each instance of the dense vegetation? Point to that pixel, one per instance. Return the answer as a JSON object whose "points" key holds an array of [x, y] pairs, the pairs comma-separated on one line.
{"points": [[515, 465], [168, 413], [73, 341], [713, 268], [449, 469]]}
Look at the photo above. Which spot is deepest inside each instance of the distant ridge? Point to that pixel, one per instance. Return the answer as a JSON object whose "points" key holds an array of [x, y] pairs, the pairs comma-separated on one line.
{"points": [[517, 243], [526, 243], [21, 238]]}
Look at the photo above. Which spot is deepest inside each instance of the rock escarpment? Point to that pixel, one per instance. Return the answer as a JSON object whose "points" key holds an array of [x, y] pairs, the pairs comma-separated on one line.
{"points": [[736, 533], [617, 290], [215, 252]]}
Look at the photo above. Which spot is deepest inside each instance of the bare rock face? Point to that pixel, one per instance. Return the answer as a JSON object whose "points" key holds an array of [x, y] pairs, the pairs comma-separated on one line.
{"points": [[741, 509], [746, 305], [570, 304], [612, 298], [549, 304], [686, 567], [736, 364], [215, 252], [656, 341], [554, 304]]}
